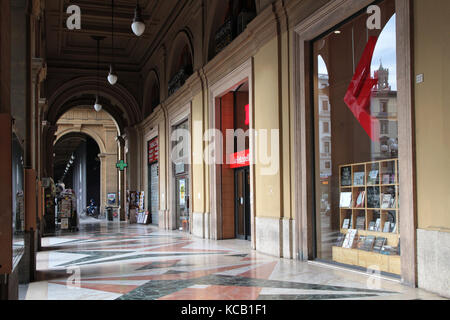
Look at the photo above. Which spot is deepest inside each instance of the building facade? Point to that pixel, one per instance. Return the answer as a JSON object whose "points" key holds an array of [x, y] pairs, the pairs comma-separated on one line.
{"points": [[286, 123]]}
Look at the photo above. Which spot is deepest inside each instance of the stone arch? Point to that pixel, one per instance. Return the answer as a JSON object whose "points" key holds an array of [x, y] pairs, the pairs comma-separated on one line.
{"points": [[222, 10], [152, 92], [117, 100], [101, 144], [181, 57], [218, 18]]}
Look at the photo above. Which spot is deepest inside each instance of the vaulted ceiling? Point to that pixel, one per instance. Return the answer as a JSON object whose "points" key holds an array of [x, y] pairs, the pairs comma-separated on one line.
{"points": [[75, 49]]}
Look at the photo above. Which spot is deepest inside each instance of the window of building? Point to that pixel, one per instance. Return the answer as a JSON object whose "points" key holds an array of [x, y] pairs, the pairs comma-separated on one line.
{"points": [[325, 105], [384, 127], [384, 106], [326, 147], [362, 188]]}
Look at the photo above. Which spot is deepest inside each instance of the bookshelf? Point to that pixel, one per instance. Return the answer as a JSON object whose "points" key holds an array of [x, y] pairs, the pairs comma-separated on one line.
{"points": [[374, 189]]}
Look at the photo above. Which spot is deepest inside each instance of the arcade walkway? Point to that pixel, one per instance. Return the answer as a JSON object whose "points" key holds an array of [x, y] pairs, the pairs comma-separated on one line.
{"points": [[106, 261]]}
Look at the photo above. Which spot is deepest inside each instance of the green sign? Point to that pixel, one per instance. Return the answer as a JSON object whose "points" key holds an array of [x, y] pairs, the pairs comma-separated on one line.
{"points": [[121, 165]]}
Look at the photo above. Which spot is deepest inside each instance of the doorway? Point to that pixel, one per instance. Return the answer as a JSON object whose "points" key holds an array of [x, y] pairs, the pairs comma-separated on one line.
{"points": [[182, 202], [153, 192], [242, 203]]}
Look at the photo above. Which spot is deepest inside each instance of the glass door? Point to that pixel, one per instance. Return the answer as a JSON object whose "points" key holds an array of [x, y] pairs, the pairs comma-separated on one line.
{"points": [[242, 203], [182, 202]]}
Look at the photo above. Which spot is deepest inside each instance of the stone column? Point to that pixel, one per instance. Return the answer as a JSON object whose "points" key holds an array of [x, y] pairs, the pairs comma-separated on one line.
{"points": [[122, 198], [103, 200]]}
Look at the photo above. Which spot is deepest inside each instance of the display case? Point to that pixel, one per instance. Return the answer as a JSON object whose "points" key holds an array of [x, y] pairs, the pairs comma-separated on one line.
{"points": [[369, 214]]}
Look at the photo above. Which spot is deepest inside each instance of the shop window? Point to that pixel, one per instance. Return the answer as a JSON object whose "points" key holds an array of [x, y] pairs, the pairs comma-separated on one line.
{"points": [[355, 72]]}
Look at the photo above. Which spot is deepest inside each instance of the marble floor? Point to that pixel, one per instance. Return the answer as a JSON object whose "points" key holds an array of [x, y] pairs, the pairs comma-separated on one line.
{"points": [[118, 261]]}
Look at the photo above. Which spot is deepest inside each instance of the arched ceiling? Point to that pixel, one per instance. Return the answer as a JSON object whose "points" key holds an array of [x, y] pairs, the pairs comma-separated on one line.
{"points": [[71, 55], [75, 48], [64, 148]]}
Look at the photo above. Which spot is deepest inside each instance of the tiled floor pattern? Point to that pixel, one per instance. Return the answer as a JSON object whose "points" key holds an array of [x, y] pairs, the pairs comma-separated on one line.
{"points": [[120, 261]]}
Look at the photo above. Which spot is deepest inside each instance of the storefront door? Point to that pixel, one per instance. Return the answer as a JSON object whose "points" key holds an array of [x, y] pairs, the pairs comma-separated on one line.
{"points": [[182, 202], [242, 203], [153, 192]]}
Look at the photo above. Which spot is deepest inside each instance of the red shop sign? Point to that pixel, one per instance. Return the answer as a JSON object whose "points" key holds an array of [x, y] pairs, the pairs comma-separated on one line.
{"points": [[153, 150], [240, 159]]}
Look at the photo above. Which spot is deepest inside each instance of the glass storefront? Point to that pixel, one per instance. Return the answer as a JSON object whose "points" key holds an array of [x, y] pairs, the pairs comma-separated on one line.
{"points": [[153, 180], [18, 201], [180, 158], [356, 143]]}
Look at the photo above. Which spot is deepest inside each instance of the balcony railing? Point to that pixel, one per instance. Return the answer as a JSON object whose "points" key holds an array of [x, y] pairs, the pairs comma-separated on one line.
{"points": [[179, 79], [224, 36]]}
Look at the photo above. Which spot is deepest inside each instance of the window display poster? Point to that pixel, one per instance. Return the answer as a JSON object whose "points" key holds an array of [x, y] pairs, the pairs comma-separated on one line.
{"points": [[182, 191], [153, 151], [111, 198]]}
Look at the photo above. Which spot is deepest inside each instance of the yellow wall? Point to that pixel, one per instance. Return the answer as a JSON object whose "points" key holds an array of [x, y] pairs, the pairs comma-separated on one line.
{"points": [[432, 105], [197, 154], [267, 116]]}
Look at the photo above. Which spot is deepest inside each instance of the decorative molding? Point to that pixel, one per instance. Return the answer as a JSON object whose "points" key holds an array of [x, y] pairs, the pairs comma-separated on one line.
{"points": [[241, 74]]}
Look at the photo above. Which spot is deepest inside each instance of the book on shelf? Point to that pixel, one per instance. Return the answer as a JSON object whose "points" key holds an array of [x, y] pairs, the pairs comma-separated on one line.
{"points": [[358, 178], [387, 227], [387, 250], [346, 224], [360, 199], [339, 240], [393, 227], [360, 242], [378, 244], [386, 179], [373, 177], [372, 226], [361, 223], [378, 225], [346, 176], [373, 197], [346, 200], [386, 201], [368, 243], [392, 178], [349, 238]]}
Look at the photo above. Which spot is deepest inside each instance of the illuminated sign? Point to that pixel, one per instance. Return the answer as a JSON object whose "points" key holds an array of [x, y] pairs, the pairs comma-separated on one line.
{"points": [[247, 115], [240, 159], [153, 151]]}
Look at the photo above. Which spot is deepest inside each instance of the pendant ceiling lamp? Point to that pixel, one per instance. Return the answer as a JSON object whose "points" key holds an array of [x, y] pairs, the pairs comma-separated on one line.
{"points": [[97, 105], [112, 76], [138, 25]]}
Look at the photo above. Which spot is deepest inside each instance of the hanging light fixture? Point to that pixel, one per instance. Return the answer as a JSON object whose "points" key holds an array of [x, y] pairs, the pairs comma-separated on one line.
{"points": [[112, 76], [97, 105], [138, 25]]}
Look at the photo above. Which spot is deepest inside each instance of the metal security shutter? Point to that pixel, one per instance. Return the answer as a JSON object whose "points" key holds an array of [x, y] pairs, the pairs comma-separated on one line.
{"points": [[154, 196]]}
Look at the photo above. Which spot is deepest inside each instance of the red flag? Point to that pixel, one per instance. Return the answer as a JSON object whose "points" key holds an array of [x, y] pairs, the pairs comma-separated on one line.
{"points": [[359, 91]]}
